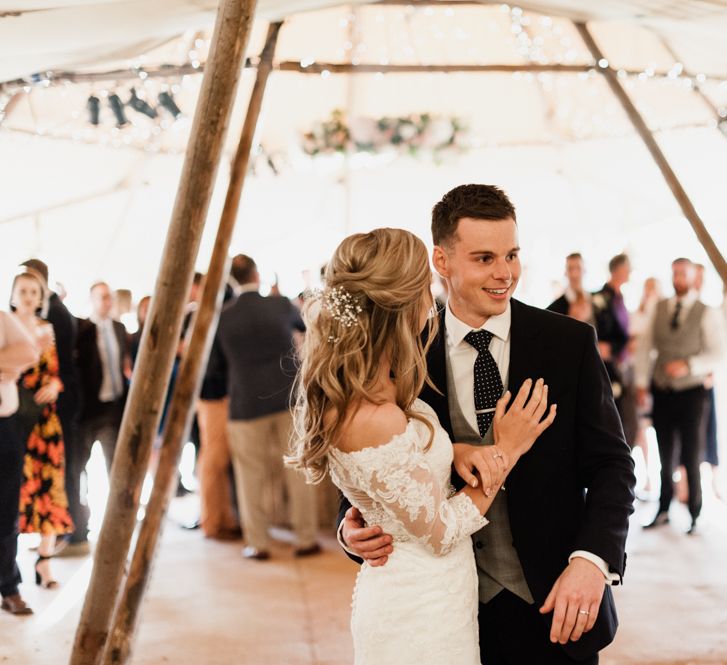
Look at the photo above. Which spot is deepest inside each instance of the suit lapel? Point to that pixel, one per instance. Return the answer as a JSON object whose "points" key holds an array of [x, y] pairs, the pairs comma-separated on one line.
{"points": [[523, 347], [525, 360]]}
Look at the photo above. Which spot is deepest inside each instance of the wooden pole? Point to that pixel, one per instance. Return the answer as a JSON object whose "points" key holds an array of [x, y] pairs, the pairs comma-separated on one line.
{"points": [[161, 332], [647, 137], [167, 71], [186, 388]]}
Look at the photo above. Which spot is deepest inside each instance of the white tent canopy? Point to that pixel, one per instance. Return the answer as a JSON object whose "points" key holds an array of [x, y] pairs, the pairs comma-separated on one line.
{"points": [[94, 202], [103, 31]]}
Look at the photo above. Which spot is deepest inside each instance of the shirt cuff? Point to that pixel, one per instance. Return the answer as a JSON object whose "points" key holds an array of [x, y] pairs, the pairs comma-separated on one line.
{"points": [[342, 543], [611, 578]]}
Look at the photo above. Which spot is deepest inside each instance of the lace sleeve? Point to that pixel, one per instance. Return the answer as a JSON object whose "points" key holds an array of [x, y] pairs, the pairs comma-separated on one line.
{"points": [[398, 477]]}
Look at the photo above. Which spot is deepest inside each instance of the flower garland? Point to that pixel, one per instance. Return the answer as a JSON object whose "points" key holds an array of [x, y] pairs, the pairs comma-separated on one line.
{"points": [[412, 134]]}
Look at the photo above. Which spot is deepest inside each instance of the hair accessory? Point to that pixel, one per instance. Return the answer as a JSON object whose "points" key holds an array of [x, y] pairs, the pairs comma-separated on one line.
{"points": [[340, 304]]}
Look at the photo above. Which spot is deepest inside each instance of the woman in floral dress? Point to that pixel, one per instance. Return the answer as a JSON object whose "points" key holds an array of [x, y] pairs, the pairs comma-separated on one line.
{"points": [[43, 500]]}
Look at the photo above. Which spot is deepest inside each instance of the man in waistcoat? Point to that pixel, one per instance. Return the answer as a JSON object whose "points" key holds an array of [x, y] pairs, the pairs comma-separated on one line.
{"points": [[556, 537], [683, 344]]}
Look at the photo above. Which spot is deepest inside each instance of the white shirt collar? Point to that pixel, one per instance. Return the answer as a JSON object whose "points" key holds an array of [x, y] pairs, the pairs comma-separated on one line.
{"points": [[99, 321], [498, 325], [687, 300], [571, 296], [246, 288]]}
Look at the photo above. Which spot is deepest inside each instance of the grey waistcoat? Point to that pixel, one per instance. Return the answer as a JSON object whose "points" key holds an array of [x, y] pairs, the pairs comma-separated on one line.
{"points": [[677, 344], [498, 564]]}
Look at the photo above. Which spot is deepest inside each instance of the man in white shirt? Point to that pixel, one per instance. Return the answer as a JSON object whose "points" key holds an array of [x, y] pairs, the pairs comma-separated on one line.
{"points": [[552, 549], [104, 367], [678, 351], [18, 351]]}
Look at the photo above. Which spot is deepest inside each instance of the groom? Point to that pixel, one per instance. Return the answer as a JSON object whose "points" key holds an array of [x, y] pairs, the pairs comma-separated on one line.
{"points": [[556, 538]]}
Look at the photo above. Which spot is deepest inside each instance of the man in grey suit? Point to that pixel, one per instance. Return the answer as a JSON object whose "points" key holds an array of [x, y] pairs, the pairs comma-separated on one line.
{"points": [[254, 347]]}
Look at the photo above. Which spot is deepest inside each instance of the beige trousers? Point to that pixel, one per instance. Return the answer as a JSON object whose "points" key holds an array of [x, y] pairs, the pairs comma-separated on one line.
{"points": [[257, 448], [216, 510]]}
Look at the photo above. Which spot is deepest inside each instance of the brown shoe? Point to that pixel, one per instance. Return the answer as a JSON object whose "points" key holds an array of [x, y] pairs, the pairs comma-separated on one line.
{"points": [[311, 550], [15, 605], [226, 534], [255, 554]]}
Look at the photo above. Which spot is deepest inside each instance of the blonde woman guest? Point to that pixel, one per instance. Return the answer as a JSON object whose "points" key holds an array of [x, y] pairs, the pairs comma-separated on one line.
{"points": [[18, 351], [43, 500], [359, 419]]}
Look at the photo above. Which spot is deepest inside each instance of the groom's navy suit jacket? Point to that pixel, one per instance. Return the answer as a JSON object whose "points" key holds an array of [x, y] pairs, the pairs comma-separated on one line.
{"points": [[574, 489]]}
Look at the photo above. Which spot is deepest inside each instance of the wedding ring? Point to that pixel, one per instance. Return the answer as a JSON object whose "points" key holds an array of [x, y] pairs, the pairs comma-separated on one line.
{"points": [[586, 612]]}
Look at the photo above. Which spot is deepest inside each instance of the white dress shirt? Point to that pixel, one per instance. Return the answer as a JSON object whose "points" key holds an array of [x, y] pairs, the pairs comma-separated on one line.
{"points": [[701, 364], [112, 385], [461, 357]]}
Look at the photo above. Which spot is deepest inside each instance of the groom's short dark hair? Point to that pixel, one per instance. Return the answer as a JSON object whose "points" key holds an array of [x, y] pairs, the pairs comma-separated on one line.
{"points": [[475, 201]]}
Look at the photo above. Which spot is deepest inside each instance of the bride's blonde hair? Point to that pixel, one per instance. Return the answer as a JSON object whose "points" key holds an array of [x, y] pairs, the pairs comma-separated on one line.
{"points": [[369, 311]]}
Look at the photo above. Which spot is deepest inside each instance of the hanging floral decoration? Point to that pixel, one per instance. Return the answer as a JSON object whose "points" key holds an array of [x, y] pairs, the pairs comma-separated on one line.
{"points": [[411, 134]]}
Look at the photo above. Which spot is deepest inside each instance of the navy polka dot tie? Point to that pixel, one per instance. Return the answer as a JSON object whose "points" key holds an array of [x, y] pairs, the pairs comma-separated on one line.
{"points": [[488, 383]]}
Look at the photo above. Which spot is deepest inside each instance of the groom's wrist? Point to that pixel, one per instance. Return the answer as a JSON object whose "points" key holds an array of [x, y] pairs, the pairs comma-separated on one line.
{"points": [[609, 577]]}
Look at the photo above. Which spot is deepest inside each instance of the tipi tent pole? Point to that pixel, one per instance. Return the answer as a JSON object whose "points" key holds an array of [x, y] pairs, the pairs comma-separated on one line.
{"points": [[186, 388], [161, 332], [647, 137]]}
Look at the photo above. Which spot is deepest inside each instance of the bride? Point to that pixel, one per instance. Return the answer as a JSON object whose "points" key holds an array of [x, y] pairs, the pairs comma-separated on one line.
{"points": [[359, 419]]}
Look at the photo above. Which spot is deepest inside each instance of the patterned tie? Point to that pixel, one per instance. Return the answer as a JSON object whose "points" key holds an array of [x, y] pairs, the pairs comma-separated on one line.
{"points": [[488, 384]]}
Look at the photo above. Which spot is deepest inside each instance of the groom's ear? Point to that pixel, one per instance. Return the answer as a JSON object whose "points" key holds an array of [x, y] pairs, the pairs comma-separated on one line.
{"points": [[440, 260]]}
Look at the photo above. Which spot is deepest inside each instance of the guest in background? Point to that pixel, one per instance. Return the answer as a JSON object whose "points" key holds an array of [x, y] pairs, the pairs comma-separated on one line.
{"points": [[685, 338], [217, 515], [43, 500], [638, 323], [142, 310], [612, 327], [711, 451], [254, 347], [104, 365], [122, 304], [575, 301], [18, 351], [68, 406], [195, 295]]}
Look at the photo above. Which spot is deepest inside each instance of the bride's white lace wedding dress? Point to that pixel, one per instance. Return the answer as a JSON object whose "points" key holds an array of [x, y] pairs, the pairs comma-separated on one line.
{"points": [[421, 607]]}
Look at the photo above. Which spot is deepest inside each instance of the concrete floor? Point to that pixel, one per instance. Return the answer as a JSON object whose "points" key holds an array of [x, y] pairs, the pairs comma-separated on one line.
{"points": [[207, 606]]}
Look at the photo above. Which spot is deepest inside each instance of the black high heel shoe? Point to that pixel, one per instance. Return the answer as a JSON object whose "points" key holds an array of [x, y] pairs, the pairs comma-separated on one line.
{"points": [[43, 583]]}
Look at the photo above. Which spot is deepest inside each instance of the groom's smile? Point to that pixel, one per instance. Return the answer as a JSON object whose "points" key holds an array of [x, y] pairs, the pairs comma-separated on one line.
{"points": [[482, 267]]}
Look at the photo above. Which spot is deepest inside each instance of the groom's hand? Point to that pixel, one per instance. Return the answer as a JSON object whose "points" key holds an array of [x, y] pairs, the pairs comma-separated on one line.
{"points": [[580, 587], [368, 542]]}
